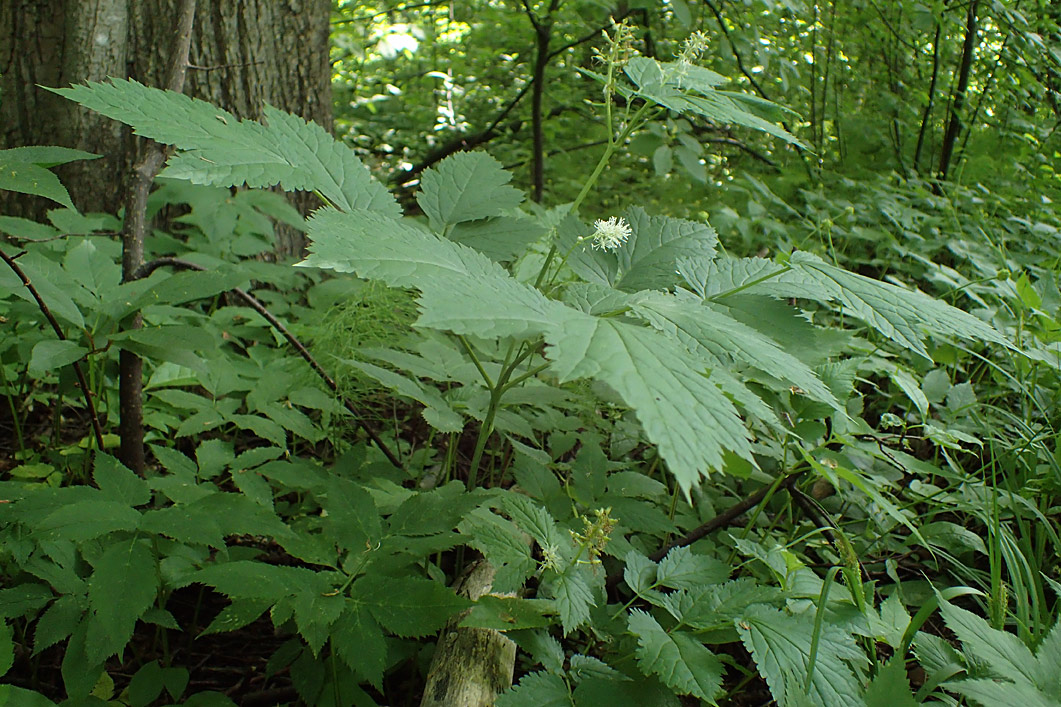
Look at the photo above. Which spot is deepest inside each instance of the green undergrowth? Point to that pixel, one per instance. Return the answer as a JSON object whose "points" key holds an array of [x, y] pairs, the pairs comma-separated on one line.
{"points": [[699, 477]]}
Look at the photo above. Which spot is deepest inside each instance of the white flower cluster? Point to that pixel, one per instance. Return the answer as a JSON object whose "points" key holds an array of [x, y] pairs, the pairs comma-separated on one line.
{"points": [[610, 234]]}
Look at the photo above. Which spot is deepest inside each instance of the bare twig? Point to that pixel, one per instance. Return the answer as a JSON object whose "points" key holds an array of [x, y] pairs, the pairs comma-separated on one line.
{"points": [[255, 304], [81, 380], [720, 521]]}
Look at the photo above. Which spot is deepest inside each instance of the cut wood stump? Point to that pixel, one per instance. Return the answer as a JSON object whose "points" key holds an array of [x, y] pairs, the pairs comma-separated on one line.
{"points": [[471, 666]]}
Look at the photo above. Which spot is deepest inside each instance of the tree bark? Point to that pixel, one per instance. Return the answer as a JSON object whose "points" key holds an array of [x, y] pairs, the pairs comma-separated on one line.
{"points": [[245, 53]]}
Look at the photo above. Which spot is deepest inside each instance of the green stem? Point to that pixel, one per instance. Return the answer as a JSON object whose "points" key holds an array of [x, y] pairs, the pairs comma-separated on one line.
{"points": [[475, 360]]}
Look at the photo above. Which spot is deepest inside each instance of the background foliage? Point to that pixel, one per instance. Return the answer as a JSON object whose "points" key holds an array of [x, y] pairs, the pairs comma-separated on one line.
{"points": [[806, 453]]}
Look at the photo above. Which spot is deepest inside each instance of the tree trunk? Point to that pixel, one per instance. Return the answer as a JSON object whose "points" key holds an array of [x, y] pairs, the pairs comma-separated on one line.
{"points": [[245, 53], [958, 103]]}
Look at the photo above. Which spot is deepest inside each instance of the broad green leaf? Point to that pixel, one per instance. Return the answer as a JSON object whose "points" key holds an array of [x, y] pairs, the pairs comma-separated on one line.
{"points": [[503, 546], [123, 586], [715, 606], [781, 645], [407, 606], [993, 693], [29, 178], [502, 238], [173, 342], [54, 353], [890, 688], [681, 661], [245, 579], [466, 186], [535, 521], [573, 595], [80, 675], [314, 615], [684, 569], [58, 622], [437, 411], [540, 689], [647, 692], [639, 572], [88, 519], [118, 483], [11, 696], [1002, 653], [681, 410], [898, 314], [702, 328], [448, 275], [351, 515], [237, 615], [47, 155], [220, 150], [434, 511], [649, 258], [24, 599], [689, 89], [509, 613], [50, 281], [358, 641]]}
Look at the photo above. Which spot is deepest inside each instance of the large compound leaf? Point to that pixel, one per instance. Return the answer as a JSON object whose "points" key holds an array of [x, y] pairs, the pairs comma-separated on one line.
{"points": [[686, 88], [704, 329], [680, 661], [462, 291], [898, 314], [901, 315], [122, 587], [456, 281], [220, 150], [680, 408], [781, 646], [466, 186], [649, 258]]}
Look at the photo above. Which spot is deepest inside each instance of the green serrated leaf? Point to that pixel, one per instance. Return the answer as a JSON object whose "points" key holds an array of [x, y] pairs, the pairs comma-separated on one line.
{"points": [[236, 615], [574, 597], [88, 519], [124, 584], [540, 689], [408, 606], [465, 187], [780, 645], [1002, 653], [705, 329], [890, 687], [245, 579], [678, 659], [442, 416], [681, 410], [220, 150], [358, 641], [118, 483], [502, 238], [58, 622], [683, 569], [503, 545], [639, 573], [898, 314], [314, 615]]}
